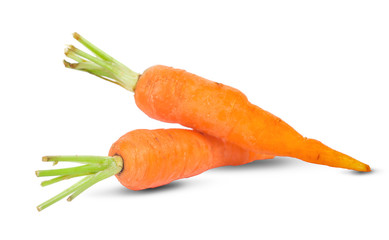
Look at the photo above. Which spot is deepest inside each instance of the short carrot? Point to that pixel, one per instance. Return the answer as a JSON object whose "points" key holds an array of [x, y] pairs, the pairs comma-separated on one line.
{"points": [[176, 96], [144, 159]]}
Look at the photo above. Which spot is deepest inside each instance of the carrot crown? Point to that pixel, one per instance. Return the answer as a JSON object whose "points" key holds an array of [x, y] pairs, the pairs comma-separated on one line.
{"points": [[101, 65], [95, 169]]}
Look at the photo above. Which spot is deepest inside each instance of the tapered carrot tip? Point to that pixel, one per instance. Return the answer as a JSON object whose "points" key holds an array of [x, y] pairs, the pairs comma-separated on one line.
{"points": [[356, 165], [352, 164], [364, 168]]}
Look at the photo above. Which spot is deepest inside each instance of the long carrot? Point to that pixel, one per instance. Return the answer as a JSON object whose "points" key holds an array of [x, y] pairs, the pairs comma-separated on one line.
{"points": [[144, 159], [176, 96]]}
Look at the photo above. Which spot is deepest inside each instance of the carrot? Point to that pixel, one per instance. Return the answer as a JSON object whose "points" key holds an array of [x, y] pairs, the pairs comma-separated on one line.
{"points": [[176, 96], [144, 159]]}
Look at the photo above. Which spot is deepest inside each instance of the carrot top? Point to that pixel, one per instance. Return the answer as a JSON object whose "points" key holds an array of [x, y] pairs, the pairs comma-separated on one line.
{"points": [[96, 168], [102, 65]]}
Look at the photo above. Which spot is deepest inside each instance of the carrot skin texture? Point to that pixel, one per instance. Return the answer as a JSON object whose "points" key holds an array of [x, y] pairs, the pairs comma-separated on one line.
{"points": [[153, 158], [176, 96]]}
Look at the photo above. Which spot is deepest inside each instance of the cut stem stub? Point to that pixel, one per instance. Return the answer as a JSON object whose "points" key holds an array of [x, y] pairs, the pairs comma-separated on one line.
{"points": [[101, 65], [96, 168]]}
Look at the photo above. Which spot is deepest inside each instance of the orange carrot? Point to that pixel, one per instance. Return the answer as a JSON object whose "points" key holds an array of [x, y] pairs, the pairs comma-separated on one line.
{"points": [[176, 96], [147, 159]]}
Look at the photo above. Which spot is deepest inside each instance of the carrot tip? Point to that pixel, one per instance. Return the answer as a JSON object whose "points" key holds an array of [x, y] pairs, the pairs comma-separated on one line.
{"points": [[361, 168], [368, 169]]}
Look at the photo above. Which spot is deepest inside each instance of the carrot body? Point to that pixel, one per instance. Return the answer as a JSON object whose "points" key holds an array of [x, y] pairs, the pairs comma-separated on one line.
{"points": [[152, 158], [176, 96], [146, 159]]}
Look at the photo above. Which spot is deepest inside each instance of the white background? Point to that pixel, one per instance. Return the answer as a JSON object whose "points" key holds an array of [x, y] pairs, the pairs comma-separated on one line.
{"points": [[322, 66]]}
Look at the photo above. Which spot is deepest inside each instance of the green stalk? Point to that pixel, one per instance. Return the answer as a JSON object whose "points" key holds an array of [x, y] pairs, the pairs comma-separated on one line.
{"points": [[95, 169], [83, 170], [77, 159], [60, 178], [96, 178], [101, 65]]}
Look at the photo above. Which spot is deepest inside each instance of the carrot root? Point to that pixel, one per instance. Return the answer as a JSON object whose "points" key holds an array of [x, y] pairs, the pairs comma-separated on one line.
{"points": [[163, 93], [95, 170], [101, 65]]}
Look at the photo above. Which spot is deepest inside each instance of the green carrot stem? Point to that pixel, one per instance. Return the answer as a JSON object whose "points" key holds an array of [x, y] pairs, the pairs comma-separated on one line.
{"points": [[89, 67], [61, 195], [86, 169], [72, 49], [101, 65], [92, 68], [74, 56], [61, 178], [112, 170], [100, 53], [77, 159], [98, 168]]}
